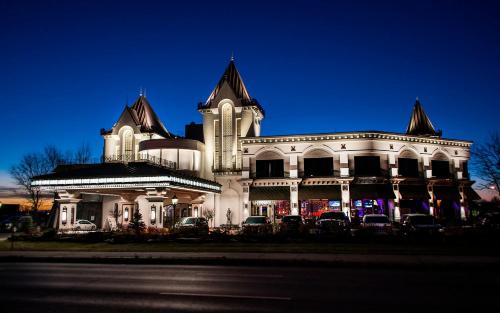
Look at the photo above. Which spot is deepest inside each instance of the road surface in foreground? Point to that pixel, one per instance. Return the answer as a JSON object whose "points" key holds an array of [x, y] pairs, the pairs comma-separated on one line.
{"points": [[61, 287]]}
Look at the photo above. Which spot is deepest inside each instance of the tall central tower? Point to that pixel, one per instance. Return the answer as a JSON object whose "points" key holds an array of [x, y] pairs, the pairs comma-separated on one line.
{"points": [[229, 114]]}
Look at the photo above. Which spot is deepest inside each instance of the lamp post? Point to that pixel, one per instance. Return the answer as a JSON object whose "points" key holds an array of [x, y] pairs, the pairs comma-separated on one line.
{"points": [[174, 204]]}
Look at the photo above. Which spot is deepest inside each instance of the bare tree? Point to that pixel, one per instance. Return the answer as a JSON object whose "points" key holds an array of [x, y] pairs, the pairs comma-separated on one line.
{"points": [[30, 165], [486, 163], [53, 157], [83, 154]]}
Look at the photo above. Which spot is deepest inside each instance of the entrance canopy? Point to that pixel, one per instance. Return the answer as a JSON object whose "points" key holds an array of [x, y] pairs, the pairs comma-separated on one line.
{"points": [[270, 193], [121, 175], [319, 192], [372, 191], [414, 192]]}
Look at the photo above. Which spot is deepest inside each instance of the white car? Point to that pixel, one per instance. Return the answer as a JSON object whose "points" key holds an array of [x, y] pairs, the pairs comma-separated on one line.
{"points": [[84, 225]]}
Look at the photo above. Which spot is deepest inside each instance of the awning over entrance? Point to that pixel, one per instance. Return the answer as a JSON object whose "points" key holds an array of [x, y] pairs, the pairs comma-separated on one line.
{"points": [[120, 175], [413, 192], [372, 191], [446, 193], [270, 193], [319, 192]]}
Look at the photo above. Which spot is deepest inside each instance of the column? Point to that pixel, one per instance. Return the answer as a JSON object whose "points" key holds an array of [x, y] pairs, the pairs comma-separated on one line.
{"points": [[397, 212], [246, 201], [153, 211], [293, 166], [346, 199], [294, 199], [461, 190], [344, 164], [67, 213], [432, 200]]}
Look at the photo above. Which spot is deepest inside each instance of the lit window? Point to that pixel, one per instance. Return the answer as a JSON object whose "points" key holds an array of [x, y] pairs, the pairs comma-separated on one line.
{"points": [[64, 216], [227, 135], [127, 144]]}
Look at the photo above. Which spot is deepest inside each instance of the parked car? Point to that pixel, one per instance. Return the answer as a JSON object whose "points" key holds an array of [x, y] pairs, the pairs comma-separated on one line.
{"points": [[84, 225], [195, 226], [16, 223], [257, 225], [419, 225], [291, 225], [376, 224], [489, 221], [333, 223]]}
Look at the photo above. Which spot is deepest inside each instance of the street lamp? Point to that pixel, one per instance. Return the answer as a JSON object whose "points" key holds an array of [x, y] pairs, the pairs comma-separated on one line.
{"points": [[174, 204]]}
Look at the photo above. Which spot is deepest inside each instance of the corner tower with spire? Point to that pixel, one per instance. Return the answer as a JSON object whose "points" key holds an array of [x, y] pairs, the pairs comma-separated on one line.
{"points": [[420, 124], [229, 113], [137, 123]]}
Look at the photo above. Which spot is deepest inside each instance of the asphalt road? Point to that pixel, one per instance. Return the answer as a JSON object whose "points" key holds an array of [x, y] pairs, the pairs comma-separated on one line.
{"points": [[59, 287]]}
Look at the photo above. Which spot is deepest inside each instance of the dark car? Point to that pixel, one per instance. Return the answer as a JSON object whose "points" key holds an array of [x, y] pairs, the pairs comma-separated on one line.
{"points": [[257, 225], [291, 225], [376, 224], [17, 223], [194, 226], [333, 223], [489, 222], [420, 226]]}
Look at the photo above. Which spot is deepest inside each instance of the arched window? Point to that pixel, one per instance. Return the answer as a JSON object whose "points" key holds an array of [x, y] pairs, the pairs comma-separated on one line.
{"points": [[227, 136], [127, 145]]}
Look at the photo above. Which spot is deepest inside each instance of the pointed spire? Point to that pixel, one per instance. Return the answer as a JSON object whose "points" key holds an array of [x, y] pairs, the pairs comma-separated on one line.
{"points": [[147, 118], [233, 78], [420, 124], [232, 56]]}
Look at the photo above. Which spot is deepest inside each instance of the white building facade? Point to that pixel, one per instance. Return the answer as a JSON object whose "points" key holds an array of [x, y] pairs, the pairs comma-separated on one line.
{"points": [[225, 164]]}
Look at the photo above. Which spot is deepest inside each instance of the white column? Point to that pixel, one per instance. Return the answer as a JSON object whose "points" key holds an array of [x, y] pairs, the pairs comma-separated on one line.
{"points": [[397, 203], [246, 202], [432, 200], [463, 199], [344, 164], [346, 199], [293, 167], [294, 199]]}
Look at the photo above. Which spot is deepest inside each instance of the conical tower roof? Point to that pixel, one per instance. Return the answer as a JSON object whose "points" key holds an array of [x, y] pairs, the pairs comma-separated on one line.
{"points": [[233, 78], [147, 118], [420, 124]]}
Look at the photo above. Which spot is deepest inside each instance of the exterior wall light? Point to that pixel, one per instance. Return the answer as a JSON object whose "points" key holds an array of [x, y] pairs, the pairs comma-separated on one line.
{"points": [[153, 214], [64, 215]]}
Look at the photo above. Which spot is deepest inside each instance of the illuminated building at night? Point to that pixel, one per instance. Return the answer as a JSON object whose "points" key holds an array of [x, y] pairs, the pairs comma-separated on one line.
{"points": [[224, 163]]}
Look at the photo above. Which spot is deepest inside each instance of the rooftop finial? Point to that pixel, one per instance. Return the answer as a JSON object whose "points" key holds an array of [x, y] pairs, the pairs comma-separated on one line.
{"points": [[144, 92], [232, 56], [140, 91], [416, 99]]}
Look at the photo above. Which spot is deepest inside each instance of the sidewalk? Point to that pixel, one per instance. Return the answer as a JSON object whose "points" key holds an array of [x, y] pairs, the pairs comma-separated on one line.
{"points": [[252, 259]]}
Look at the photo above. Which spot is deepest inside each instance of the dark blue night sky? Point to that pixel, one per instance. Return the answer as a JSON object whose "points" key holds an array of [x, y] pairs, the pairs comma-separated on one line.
{"points": [[69, 67]]}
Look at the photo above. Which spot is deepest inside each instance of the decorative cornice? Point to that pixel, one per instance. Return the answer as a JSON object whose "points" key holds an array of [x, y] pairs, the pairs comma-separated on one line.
{"points": [[356, 136]]}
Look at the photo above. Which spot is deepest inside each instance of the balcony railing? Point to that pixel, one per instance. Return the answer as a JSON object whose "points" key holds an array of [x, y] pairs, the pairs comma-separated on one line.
{"points": [[141, 158]]}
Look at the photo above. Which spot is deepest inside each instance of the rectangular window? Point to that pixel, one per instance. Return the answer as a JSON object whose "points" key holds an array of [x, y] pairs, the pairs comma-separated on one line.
{"points": [[408, 167], [367, 166], [270, 168], [440, 169], [318, 167]]}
